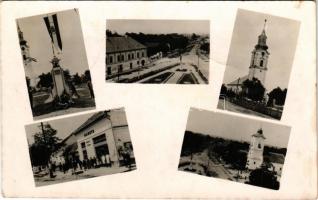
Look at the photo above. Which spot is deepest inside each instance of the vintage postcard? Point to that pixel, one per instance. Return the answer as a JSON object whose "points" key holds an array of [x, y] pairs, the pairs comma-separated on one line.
{"points": [[80, 147], [234, 148], [55, 64], [158, 51], [259, 64]]}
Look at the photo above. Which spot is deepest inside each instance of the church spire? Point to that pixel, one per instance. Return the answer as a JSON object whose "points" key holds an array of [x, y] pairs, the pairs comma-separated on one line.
{"points": [[261, 44]]}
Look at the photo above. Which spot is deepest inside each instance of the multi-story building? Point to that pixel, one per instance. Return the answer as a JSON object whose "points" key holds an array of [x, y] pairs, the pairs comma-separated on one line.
{"points": [[124, 54]]}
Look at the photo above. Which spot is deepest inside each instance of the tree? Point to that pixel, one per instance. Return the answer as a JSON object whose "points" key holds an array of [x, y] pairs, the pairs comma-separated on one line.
{"points": [[67, 75], [254, 89], [45, 143], [223, 90], [46, 80], [77, 79], [278, 95], [264, 178]]}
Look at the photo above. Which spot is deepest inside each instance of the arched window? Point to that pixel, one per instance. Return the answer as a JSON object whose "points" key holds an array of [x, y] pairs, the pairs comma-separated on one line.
{"points": [[263, 53], [261, 63], [122, 58], [259, 146]]}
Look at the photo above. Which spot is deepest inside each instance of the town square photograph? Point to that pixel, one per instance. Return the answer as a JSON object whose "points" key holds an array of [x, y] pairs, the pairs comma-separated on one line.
{"points": [[234, 148], [259, 64], [157, 51], [55, 64], [80, 147]]}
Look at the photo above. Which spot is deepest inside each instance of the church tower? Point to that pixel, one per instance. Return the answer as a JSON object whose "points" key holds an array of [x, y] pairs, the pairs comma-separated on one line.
{"points": [[255, 154], [259, 58], [25, 50]]}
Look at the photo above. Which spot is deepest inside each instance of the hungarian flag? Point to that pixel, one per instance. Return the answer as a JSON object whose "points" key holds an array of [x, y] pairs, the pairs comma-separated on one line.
{"points": [[54, 31]]}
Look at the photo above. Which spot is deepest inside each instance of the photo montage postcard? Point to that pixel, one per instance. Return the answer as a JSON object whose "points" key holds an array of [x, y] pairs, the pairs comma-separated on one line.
{"points": [[234, 148], [55, 64], [80, 147], [259, 64], [157, 51]]}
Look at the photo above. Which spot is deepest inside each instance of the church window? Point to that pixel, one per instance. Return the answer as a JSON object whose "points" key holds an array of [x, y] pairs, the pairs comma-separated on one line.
{"points": [[22, 48], [261, 64], [24, 57], [263, 53], [259, 146]]}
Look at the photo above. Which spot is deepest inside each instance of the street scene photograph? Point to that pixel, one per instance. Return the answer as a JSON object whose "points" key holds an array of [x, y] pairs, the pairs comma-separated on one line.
{"points": [[157, 51], [80, 147], [259, 64], [57, 76], [234, 148]]}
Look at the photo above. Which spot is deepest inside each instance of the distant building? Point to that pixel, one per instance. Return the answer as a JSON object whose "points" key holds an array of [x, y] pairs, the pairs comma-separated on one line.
{"points": [[277, 161], [123, 54], [258, 64], [255, 153]]}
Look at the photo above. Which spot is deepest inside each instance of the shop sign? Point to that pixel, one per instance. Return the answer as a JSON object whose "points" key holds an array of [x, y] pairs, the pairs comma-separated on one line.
{"points": [[88, 133]]}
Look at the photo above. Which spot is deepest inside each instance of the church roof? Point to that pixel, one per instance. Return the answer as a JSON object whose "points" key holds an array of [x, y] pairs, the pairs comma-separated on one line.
{"points": [[238, 81], [122, 43]]}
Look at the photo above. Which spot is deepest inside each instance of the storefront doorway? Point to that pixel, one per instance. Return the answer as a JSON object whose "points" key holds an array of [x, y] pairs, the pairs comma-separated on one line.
{"points": [[100, 145]]}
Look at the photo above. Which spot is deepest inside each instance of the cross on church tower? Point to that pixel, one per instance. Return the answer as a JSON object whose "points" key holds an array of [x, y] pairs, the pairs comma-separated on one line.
{"points": [[259, 58]]}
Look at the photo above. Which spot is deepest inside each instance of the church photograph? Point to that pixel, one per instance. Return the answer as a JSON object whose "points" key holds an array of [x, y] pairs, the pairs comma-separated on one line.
{"points": [[245, 150], [157, 51], [57, 76], [259, 63]]}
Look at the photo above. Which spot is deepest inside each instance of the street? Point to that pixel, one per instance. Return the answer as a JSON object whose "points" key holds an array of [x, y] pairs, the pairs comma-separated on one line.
{"points": [[235, 108]]}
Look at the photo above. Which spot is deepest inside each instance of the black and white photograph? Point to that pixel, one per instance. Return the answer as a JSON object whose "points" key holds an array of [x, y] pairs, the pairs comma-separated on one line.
{"points": [[80, 147], [259, 63], [234, 148], [55, 64], [157, 51]]}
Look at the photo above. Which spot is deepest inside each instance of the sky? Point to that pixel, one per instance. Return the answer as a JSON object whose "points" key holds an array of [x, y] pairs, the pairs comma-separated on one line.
{"points": [[73, 55], [236, 128], [159, 26], [63, 126], [282, 37]]}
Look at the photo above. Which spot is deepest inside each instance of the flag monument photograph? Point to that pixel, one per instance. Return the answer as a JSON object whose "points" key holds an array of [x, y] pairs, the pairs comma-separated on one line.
{"points": [[56, 68]]}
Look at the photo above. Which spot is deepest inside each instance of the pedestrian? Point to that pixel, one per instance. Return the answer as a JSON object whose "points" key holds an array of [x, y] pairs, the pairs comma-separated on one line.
{"points": [[108, 163], [103, 160]]}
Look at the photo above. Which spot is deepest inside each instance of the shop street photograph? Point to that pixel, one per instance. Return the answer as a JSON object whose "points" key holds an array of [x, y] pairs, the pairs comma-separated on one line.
{"points": [[79, 147], [158, 51]]}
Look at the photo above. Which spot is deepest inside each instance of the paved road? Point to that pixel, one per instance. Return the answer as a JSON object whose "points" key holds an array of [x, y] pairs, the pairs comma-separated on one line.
{"points": [[235, 108]]}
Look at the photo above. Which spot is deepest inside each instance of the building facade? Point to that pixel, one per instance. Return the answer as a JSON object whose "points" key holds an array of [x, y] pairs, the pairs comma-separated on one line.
{"points": [[255, 153], [105, 133], [124, 54]]}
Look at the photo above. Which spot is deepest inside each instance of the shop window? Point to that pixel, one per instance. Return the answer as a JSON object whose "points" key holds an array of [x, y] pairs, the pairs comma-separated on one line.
{"points": [[83, 145], [99, 139]]}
